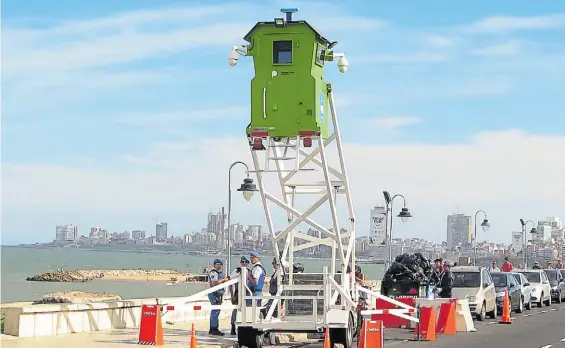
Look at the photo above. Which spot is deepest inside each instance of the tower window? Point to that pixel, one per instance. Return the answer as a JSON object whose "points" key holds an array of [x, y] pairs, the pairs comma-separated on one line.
{"points": [[282, 52]]}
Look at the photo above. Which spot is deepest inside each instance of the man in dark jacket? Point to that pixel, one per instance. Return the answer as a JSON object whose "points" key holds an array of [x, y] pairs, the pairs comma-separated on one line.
{"points": [[446, 282]]}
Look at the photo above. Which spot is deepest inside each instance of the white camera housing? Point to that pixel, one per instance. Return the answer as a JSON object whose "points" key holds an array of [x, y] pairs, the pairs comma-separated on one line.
{"points": [[233, 57], [342, 64]]}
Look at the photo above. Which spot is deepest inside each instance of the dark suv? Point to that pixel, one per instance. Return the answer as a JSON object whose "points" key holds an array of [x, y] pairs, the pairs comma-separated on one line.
{"points": [[506, 282], [557, 283]]}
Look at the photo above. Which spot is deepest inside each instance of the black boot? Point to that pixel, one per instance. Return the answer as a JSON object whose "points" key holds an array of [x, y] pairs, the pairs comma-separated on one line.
{"points": [[233, 332], [216, 332]]}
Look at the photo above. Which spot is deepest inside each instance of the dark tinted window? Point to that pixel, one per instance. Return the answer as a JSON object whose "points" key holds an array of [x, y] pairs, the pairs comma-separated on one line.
{"points": [[282, 52], [562, 272], [499, 279], [533, 277], [467, 279], [517, 277], [551, 274]]}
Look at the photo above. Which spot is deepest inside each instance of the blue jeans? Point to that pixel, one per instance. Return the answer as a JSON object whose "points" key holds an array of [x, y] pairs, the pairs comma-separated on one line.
{"points": [[248, 303], [214, 314], [233, 316]]}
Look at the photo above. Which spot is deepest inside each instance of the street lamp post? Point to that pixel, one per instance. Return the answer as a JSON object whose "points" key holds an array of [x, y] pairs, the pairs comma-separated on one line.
{"points": [[247, 188], [485, 226], [404, 216], [525, 239]]}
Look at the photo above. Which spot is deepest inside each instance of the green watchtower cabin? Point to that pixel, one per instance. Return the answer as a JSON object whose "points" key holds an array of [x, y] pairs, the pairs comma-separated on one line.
{"points": [[288, 92]]}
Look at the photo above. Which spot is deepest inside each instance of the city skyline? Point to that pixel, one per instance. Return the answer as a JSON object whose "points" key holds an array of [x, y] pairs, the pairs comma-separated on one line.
{"points": [[128, 122]]}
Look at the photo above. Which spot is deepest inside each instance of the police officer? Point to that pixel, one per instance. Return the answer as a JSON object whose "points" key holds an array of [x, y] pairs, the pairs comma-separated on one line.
{"points": [[273, 286], [243, 263], [215, 277], [255, 277]]}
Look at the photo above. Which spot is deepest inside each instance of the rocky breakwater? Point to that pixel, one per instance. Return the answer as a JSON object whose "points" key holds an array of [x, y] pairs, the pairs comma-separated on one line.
{"points": [[76, 297], [74, 276]]}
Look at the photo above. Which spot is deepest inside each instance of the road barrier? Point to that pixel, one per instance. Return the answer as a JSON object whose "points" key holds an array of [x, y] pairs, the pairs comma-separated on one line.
{"points": [[151, 326]]}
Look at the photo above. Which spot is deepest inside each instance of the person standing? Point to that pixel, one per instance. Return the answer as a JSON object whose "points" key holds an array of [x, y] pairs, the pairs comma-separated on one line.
{"points": [[216, 277], [559, 264], [494, 267], [446, 282], [507, 265], [273, 287], [256, 277], [243, 263], [549, 266]]}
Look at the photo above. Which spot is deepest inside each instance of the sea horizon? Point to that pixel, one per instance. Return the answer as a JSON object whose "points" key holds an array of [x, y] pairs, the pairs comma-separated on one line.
{"points": [[20, 262]]}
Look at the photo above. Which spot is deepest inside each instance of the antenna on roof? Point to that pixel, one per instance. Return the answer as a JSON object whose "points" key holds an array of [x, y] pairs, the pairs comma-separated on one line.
{"points": [[289, 12]]}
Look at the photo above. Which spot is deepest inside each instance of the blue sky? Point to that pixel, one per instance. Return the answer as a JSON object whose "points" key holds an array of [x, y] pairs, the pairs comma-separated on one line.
{"points": [[113, 109]]}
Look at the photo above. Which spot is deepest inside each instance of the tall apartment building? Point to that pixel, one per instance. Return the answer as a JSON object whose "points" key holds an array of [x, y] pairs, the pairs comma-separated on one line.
{"points": [[459, 231], [96, 232], [66, 233], [137, 234], [161, 231]]}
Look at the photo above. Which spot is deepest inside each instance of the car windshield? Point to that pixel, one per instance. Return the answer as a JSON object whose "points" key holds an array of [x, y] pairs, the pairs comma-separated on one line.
{"points": [[551, 274], [499, 279], [533, 277], [517, 277], [466, 279], [562, 272]]}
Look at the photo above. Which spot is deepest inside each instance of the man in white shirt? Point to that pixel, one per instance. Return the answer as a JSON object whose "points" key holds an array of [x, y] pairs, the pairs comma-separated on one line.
{"points": [[494, 267], [256, 277]]}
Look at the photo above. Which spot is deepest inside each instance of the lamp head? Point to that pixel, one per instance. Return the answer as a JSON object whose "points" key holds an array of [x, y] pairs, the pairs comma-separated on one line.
{"points": [[404, 214], [485, 225], [247, 188]]}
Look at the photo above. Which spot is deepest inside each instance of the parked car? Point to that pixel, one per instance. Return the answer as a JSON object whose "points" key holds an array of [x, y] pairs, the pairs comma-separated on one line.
{"points": [[503, 283], [525, 288], [475, 284], [557, 284], [541, 291], [562, 271]]}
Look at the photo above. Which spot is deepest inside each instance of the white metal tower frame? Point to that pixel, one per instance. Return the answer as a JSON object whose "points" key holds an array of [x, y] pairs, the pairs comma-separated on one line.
{"points": [[334, 181]]}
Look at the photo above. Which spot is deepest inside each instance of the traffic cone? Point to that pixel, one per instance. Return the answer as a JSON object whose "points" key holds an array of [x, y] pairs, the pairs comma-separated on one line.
{"points": [[193, 343], [505, 319], [327, 338]]}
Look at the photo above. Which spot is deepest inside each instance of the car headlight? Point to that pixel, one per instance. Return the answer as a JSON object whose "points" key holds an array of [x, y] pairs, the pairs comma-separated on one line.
{"points": [[500, 294], [472, 299]]}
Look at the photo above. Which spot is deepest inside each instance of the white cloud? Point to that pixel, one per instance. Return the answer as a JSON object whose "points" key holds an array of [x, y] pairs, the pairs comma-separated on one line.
{"points": [[170, 119], [408, 58], [437, 41], [493, 171], [391, 123], [510, 48], [484, 86], [498, 24]]}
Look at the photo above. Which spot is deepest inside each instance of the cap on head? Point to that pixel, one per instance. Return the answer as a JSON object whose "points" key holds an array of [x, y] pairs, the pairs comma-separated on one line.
{"points": [[254, 254], [506, 258], [243, 259], [216, 261]]}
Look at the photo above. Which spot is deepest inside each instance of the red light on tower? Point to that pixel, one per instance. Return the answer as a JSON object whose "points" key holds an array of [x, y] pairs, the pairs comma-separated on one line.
{"points": [[307, 142], [257, 144]]}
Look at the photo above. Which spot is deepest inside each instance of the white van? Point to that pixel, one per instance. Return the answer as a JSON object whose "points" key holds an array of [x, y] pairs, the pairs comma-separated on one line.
{"points": [[475, 284]]}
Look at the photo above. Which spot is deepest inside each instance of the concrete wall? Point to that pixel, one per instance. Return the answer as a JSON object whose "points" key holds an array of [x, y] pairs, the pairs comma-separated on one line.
{"points": [[56, 319]]}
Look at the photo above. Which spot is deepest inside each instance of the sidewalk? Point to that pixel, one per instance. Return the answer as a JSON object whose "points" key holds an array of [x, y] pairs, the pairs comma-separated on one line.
{"points": [[177, 335]]}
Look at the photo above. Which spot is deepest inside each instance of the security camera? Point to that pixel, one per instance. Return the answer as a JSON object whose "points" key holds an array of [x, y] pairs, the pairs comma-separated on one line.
{"points": [[233, 57], [342, 64]]}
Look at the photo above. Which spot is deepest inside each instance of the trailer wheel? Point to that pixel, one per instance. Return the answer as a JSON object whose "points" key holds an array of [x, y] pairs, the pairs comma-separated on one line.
{"points": [[343, 336], [249, 337]]}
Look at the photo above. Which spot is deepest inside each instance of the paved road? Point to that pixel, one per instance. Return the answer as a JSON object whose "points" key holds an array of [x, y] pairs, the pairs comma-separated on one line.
{"points": [[536, 328]]}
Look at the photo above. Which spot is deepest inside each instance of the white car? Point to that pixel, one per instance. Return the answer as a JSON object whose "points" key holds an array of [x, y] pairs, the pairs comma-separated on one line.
{"points": [[525, 288], [475, 284], [541, 290]]}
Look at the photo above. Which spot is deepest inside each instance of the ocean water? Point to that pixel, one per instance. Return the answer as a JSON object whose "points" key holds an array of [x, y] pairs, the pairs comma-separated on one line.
{"points": [[19, 263]]}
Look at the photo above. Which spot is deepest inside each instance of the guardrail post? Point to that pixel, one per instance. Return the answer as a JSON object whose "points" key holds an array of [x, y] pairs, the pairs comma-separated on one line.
{"points": [[419, 325]]}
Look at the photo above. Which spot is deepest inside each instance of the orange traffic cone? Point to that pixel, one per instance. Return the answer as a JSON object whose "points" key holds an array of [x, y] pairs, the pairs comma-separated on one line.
{"points": [[193, 337], [327, 338], [505, 310]]}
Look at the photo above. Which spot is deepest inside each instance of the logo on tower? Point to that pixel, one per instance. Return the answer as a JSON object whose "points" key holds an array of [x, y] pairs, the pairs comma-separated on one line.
{"points": [[322, 106]]}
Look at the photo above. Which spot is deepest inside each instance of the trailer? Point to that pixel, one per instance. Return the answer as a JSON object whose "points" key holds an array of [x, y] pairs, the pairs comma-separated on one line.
{"points": [[293, 123]]}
